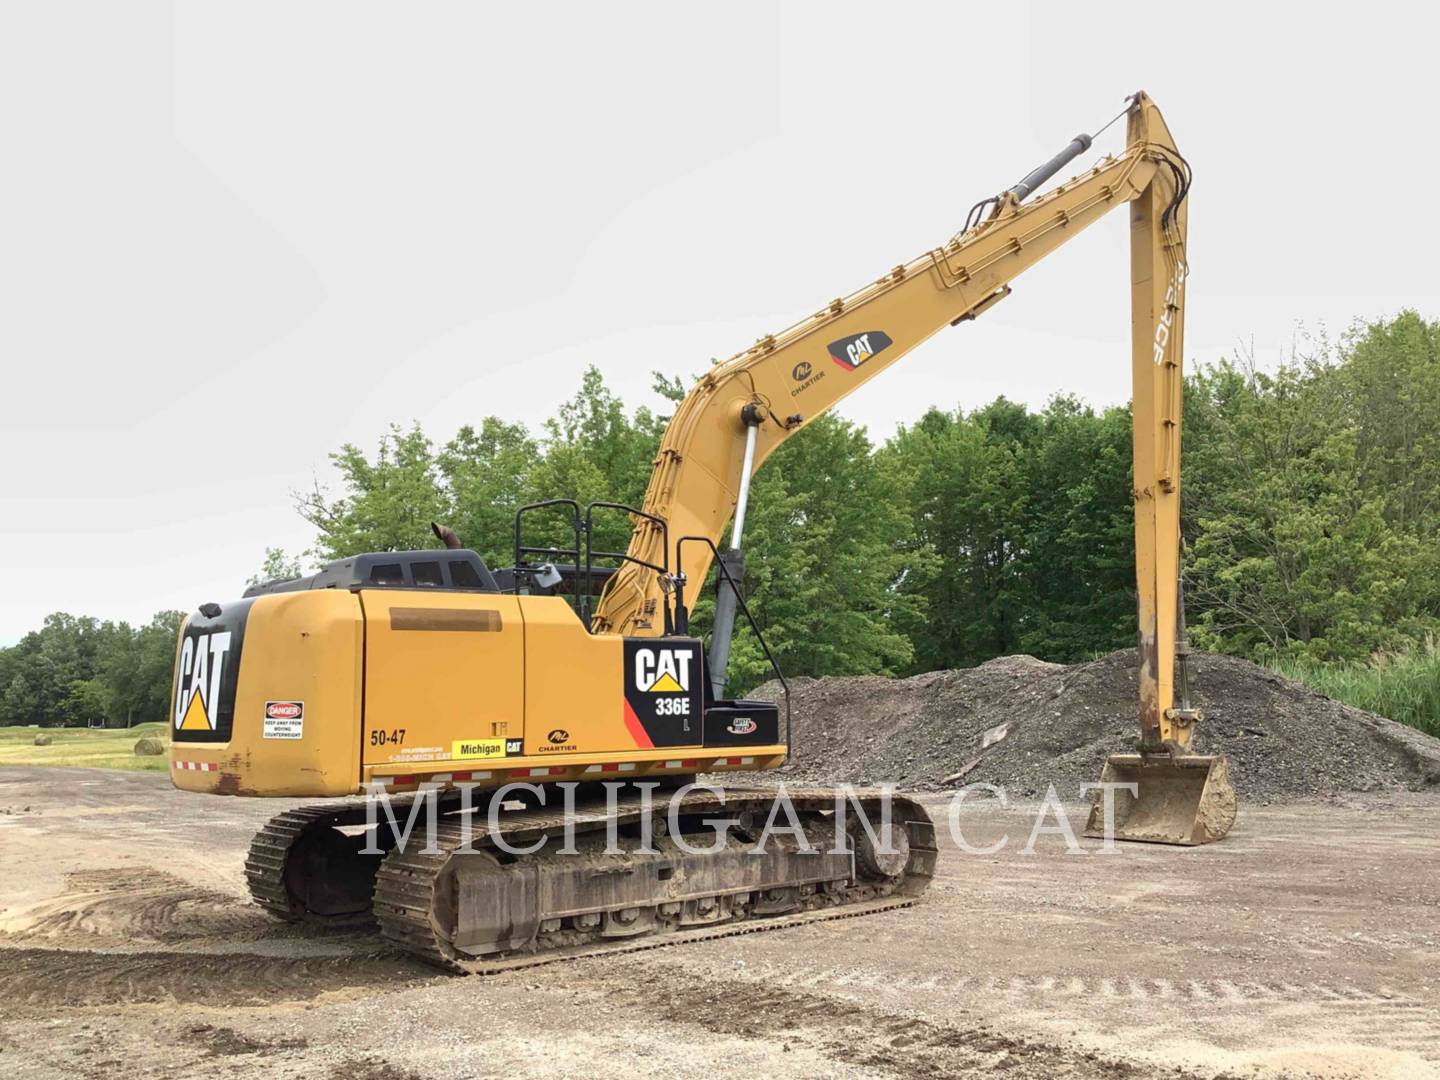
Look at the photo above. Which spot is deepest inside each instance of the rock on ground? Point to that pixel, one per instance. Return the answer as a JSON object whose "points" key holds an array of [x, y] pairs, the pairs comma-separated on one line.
{"points": [[1024, 724]]}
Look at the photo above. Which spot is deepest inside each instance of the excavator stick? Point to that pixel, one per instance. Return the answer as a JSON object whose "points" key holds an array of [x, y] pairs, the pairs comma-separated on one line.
{"points": [[1185, 799]]}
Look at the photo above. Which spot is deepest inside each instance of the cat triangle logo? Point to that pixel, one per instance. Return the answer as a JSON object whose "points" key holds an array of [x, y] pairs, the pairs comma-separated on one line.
{"points": [[662, 671], [196, 718], [198, 680], [666, 684], [852, 351]]}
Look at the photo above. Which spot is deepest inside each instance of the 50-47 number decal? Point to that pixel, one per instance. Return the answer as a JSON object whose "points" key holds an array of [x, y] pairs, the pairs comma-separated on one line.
{"points": [[393, 737]]}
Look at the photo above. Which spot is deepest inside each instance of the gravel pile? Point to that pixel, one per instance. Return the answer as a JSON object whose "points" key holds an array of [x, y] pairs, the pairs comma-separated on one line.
{"points": [[1023, 724]]}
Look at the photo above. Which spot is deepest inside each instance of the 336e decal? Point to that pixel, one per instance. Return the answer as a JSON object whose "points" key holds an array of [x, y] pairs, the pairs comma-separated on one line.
{"points": [[662, 692]]}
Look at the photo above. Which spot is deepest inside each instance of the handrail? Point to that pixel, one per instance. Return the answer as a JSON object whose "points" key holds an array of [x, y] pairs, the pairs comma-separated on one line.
{"points": [[682, 616], [574, 553]]}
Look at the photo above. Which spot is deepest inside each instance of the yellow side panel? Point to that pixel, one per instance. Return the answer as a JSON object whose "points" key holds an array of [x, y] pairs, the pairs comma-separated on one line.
{"points": [[301, 649], [574, 683], [444, 676]]}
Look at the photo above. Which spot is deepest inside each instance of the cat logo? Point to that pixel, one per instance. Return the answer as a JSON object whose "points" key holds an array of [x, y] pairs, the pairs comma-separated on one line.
{"points": [[202, 665], [663, 671], [853, 351]]}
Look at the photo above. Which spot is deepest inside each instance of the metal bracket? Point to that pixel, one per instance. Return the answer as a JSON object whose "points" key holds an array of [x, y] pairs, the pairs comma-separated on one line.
{"points": [[1184, 717]]}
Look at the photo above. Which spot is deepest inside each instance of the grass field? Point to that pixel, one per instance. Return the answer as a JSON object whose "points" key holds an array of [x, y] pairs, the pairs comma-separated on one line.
{"points": [[97, 748], [1404, 687]]}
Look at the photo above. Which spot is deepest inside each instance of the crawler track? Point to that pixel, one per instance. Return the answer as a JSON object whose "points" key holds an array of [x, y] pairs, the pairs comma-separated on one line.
{"points": [[415, 894], [287, 865]]}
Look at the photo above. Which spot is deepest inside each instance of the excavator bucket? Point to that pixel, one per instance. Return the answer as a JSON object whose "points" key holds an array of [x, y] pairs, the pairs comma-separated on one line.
{"points": [[1181, 800]]}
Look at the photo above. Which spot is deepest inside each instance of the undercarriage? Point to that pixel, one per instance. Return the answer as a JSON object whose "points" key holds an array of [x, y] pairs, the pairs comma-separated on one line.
{"points": [[494, 888]]}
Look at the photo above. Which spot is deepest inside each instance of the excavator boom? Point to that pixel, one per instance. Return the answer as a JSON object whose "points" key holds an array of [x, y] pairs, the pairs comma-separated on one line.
{"points": [[742, 410]]}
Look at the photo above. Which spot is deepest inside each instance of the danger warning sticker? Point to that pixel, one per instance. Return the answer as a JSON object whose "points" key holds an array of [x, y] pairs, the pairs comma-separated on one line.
{"points": [[284, 720]]}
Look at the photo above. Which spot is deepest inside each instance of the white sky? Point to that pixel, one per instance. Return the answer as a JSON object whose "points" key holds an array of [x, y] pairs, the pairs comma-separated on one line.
{"points": [[234, 237]]}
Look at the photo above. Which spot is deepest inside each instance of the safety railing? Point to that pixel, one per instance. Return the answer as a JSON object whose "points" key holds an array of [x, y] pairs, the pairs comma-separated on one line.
{"points": [[682, 613]]}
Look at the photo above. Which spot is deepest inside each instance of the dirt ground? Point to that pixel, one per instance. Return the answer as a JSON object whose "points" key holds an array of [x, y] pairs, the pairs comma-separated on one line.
{"points": [[1306, 944]]}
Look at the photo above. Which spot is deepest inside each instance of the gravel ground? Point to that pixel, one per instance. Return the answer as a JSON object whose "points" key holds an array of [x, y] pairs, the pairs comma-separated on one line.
{"points": [[1303, 946], [1024, 724]]}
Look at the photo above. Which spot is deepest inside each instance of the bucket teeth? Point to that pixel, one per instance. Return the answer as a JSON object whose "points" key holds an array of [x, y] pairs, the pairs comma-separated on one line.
{"points": [[1186, 800]]}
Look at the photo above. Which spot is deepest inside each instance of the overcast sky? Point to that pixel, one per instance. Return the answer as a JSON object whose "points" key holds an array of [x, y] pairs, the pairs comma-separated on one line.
{"points": [[235, 237]]}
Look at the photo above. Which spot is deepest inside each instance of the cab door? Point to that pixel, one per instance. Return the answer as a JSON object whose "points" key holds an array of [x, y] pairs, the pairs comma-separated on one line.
{"points": [[444, 677]]}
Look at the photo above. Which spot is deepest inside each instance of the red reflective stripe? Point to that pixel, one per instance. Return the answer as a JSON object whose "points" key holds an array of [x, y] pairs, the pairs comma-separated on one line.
{"points": [[637, 729]]}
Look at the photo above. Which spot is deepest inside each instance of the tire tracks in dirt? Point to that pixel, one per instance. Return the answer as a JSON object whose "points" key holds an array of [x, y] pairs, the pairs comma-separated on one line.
{"points": [[864, 1035]]}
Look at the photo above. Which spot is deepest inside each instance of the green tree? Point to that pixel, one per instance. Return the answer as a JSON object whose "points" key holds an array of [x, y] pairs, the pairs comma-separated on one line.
{"points": [[19, 703], [1300, 544], [594, 425], [389, 502], [966, 501], [89, 700], [488, 474], [1078, 563], [75, 670], [822, 562], [1389, 380], [277, 566], [137, 668]]}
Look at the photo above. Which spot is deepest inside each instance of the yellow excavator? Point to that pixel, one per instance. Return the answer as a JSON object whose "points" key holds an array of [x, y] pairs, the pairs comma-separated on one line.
{"points": [[426, 675]]}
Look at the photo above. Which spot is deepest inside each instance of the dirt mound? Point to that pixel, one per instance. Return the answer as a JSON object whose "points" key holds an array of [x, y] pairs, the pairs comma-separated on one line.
{"points": [[1023, 724]]}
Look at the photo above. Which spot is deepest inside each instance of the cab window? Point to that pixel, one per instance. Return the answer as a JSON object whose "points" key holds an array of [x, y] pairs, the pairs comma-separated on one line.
{"points": [[427, 575], [387, 574], [463, 575]]}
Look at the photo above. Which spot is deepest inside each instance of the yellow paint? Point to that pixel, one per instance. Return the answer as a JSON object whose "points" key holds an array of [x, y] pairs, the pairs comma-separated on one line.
{"points": [[434, 700], [666, 684], [430, 688], [196, 719], [300, 646], [573, 680]]}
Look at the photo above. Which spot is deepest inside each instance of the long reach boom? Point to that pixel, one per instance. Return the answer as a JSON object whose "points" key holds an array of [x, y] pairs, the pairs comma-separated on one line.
{"points": [[744, 408]]}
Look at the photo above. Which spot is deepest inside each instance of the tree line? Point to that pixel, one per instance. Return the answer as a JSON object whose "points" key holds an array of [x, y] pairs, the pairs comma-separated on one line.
{"points": [[1310, 513], [79, 671], [1311, 504]]}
